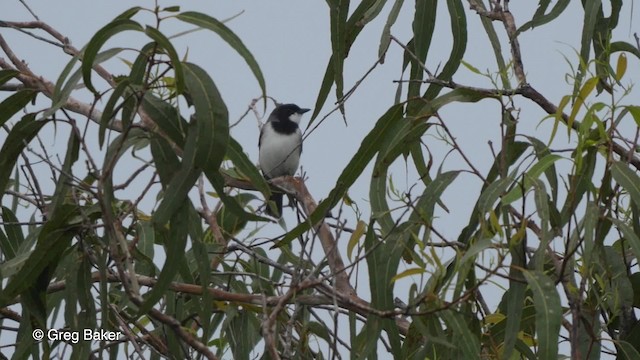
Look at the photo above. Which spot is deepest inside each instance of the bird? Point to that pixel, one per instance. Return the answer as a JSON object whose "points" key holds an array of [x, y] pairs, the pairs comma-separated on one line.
{"points": [[280, 147]]}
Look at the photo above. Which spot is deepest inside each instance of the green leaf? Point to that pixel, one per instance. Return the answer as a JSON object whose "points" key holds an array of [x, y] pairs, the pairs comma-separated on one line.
{"points": [[630, 236], [175, 248], [10, 242], [635, 113], [579, 184], [177, 190], [618, 46], [401, 135], [212, 118], [230, 203], [167, 118], [471, 68], [468, 342], [338, 13], [6, 75], [542, 206], [247, 167], [382, 260], [548, 313], [425, 205], [207, 22], [542, 150], [458, 48], [17, 139], [628, 179], [457, 95], [99, 39], [164, 43], [423, 26], [368, 148], [242, 330], [129, 13], [109, 109], [165, 158], [627, 350], [372, 12], [171, 9], [325, 89], [497, 48], [13, 104], [591, 10], [53, 240], [65, 180], [475, 249], [515, 298], [534, 172], [491, 193], [145, 252], [385, 39], [63, 90], [540, 18]]}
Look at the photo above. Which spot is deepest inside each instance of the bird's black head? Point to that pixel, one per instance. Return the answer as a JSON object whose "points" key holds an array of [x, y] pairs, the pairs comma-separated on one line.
{"points": [[286, 112]]}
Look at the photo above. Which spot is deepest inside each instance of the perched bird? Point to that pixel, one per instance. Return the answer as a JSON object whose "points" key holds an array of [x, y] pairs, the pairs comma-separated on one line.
{"points": [[280, 146]]}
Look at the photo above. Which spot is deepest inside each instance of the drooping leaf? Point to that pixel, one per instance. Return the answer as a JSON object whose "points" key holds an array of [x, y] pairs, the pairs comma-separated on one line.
{"points": [[548, 313], [533, 173], [540, 18], [63, 89], [338, 13], [368, 148], [17, 139], [14, 103], [212, 118], [385, 39], [458, 48], [6, 75], [178, 231], [207, 22], [176, 64], [54, 239], [12, 238], [167, 117], [98, 40], [247, 167], [468, 341], [423, 26], [628, 179], [591, 13], [491, 193]]}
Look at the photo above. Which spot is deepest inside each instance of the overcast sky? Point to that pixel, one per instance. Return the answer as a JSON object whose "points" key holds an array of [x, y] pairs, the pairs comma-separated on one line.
{"points": [[290, 40]]}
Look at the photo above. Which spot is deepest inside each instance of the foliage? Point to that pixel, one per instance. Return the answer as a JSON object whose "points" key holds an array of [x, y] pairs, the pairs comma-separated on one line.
{"points": [[554, 231]]}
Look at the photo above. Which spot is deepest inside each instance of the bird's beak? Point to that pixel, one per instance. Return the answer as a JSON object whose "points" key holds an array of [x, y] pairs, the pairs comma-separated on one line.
{"points": [[302, 111]]}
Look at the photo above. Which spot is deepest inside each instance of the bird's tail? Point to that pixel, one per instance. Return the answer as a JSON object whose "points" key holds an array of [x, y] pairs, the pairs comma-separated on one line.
{"points": [[277, 200]]}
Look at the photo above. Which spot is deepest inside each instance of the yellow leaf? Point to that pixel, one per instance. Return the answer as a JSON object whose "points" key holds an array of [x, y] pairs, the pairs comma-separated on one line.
{"points": [[621, 67], [408, 272], [494, 318], [526, 338], [583, 94], [495, 224], [355, 237]]}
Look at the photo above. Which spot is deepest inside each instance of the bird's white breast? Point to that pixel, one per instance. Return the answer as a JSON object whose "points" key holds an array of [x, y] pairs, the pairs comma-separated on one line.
{"points": [[279, 153]]}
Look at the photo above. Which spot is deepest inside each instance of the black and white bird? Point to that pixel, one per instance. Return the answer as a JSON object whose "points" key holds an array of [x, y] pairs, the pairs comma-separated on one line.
{"points": [[280, 146]]}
